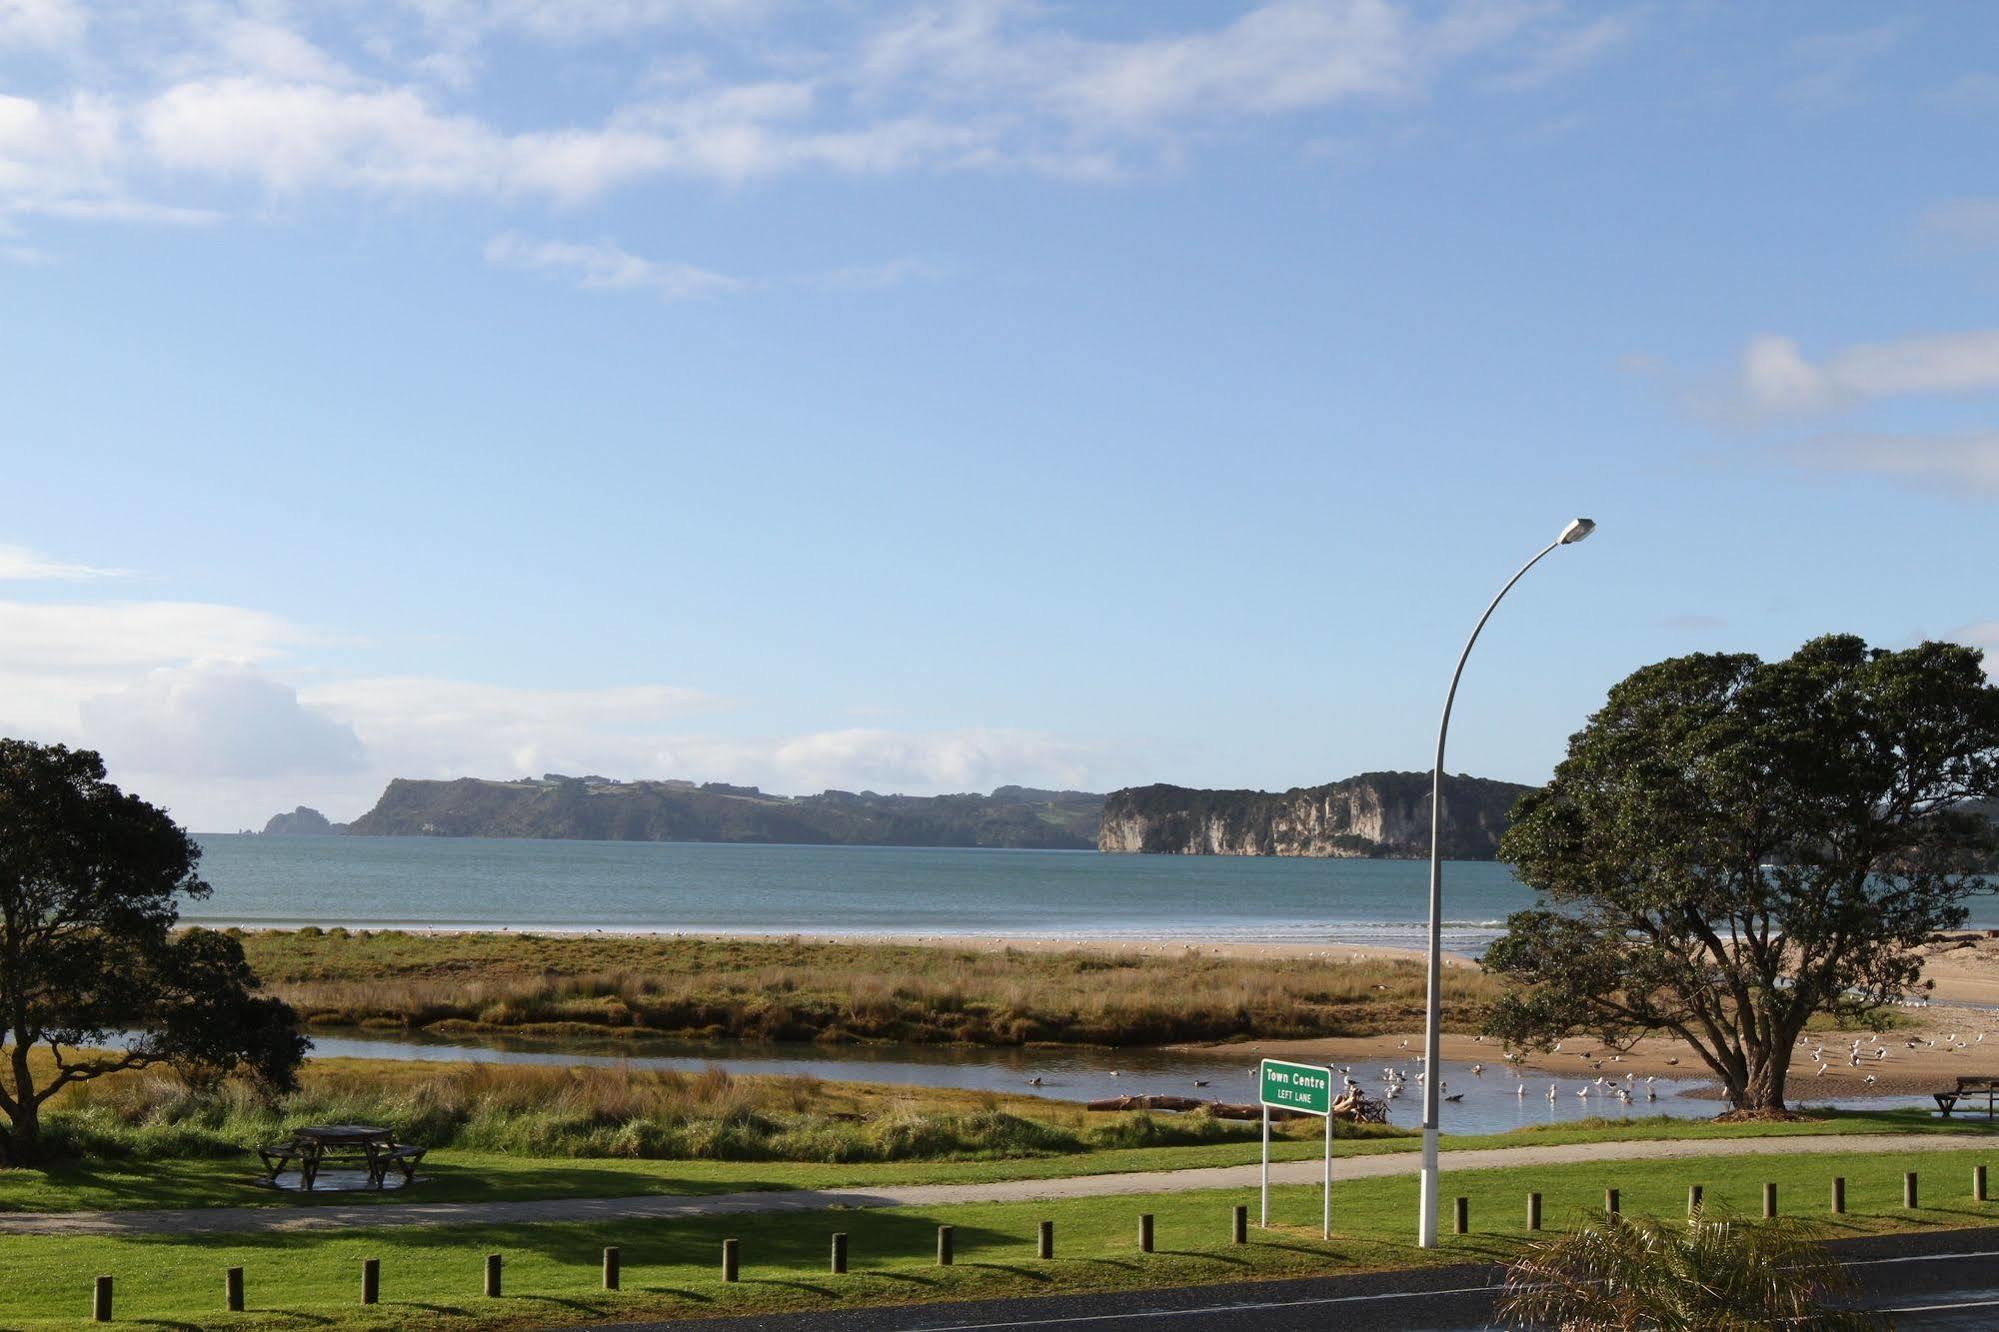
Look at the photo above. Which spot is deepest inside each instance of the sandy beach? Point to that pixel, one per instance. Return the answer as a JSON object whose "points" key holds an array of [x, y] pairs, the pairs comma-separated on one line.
{"points": [[1950, 1038]]}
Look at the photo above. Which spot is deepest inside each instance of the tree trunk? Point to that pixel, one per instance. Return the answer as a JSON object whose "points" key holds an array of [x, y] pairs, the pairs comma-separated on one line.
{"points": [[24, 1132], [1763, 1091]]}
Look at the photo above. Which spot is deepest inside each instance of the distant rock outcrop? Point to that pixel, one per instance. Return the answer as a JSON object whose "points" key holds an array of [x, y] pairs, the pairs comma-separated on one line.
{"points": [[597, 808], [1384, 814], [302, 822]]}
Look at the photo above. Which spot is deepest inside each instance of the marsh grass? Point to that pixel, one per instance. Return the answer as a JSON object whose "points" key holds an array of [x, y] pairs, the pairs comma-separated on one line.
{"points": [[605, 1113], [794, 990]]}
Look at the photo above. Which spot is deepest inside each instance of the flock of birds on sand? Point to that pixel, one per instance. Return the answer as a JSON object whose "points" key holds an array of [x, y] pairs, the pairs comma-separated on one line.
{"points": [[1626, 1089]]}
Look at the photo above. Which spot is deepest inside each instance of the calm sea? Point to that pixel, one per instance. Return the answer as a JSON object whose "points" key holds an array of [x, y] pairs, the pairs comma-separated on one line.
{"points": [[468, 883]]}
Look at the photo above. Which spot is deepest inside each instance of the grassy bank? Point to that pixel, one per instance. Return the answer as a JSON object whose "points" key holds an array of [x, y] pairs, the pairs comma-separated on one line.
{"points": [[788, 989], [430, 1276], [536, 1112]]}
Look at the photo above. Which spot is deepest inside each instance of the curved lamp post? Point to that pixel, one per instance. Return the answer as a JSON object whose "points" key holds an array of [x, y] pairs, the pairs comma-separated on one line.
{"points": [[1432, 1084]]}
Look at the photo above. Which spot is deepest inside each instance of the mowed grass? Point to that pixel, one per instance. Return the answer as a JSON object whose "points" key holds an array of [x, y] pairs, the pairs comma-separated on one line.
{"points": [[791, 989], [431, 1276]]}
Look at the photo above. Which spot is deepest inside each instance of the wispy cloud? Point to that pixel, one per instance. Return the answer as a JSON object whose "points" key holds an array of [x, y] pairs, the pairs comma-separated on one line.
{"points": [[989, 85], [1832, 65], [604, 266], [1564, 53], [1966, 464], [18, 564], [1775, 376], [1968, 222]]}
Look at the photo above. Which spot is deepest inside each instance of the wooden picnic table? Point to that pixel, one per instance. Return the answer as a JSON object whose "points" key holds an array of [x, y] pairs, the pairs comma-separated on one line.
{"points": [[361, 1144], [1985, 1085]]}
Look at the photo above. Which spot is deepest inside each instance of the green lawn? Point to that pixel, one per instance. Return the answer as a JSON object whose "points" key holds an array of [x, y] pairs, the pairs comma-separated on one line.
{"points": [[463, 1176], [431, 1276]]}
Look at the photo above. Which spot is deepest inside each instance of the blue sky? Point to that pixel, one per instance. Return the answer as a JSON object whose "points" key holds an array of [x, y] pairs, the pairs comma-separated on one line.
{"points": [[928, 396]]}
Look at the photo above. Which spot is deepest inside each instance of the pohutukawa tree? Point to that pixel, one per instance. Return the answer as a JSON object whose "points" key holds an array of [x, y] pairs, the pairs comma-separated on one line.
{"points": [[1734, 845], [91, 967]]}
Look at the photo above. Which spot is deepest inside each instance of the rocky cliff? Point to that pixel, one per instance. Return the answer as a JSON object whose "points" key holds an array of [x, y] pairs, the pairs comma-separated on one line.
{"points": [[1375, 814], [302, 822], [597, 808]]}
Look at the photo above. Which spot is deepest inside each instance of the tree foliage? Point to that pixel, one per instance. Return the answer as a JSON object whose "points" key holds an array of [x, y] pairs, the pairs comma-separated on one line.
{"points": [[1732, 846], [1709, 1275], [91, 967]]}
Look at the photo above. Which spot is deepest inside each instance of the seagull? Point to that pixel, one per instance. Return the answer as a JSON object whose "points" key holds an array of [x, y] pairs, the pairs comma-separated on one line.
{"points": [[1822, 1069], [1520, 1089], [1034, 1081], [1478, 1070], [1551, 1091], [1870, 1079], [1674, 1060]]}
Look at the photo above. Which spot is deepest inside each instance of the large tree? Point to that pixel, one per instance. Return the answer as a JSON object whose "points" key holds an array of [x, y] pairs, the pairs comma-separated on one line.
{"points": [[1732, 846], [91, 966]]}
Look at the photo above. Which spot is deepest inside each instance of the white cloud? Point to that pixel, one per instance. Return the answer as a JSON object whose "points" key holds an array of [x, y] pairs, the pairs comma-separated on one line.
{"points": [[972, 85], [216, 719], [18, 564], [46, 24], [120, 635], [1956, 464], [603, 266], [1775, 376], [931, 761]]}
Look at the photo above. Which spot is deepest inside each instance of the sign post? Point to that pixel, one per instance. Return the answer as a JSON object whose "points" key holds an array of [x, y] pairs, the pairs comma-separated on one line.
{"points": [[1307, 1089]]}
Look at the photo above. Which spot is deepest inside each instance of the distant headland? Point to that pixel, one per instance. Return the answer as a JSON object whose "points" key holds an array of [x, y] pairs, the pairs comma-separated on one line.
{"points": [[1380, 814]]}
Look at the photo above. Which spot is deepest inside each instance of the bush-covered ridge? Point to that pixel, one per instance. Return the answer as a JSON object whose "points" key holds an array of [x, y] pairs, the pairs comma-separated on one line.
{"points": [[599, 809]]}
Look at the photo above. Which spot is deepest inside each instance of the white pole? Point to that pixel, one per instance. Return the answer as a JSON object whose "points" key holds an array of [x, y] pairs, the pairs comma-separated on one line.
{"points": [[1326, 1227], [1426, 1216], [1263, 1220]]}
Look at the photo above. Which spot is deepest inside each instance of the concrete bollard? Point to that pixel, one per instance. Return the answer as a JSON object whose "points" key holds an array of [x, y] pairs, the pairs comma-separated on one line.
{"points": [[1769, 1200], [1839, 1195], [100, 1301], [232, 1290], [1145, 1232], [839, 1261], [1610, 1201], [1909, 1189], [1239, 1225], [943, 1246], [1978, 1184], [493, 1276], [1694, 1192], [1533, 1211], [1045, 1244], [612, 1259], [732, 1251], [371, 1281], [1461, 1216]]}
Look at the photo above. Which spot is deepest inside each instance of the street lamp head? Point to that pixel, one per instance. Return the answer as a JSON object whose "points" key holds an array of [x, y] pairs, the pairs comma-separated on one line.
{"points": [[1577, 530]]}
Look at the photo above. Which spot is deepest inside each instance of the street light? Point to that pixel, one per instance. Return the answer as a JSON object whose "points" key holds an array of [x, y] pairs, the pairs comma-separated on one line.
{"points": [[1426, 1224]]}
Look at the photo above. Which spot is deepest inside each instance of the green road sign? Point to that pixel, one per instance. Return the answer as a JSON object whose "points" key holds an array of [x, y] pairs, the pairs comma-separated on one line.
{"points": [[1307, 1088]]}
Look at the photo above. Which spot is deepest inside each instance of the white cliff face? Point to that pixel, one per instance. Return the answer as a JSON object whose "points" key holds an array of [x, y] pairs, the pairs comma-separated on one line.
{"points": [[1385, 814]]}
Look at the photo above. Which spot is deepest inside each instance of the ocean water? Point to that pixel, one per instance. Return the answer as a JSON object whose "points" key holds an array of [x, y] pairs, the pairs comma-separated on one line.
{"points": [[479, 883]]}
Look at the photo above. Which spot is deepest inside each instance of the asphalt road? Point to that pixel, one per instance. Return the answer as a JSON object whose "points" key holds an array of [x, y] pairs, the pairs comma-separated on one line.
{"points": [[1947, 1280]]}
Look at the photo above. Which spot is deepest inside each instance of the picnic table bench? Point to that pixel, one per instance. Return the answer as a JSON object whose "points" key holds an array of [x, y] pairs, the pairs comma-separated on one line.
{"points": [[364, 1146], [1983, 1085]]}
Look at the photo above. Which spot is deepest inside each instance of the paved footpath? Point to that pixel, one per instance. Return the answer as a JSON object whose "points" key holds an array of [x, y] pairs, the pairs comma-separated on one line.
{"points": [[335, 1216]]}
